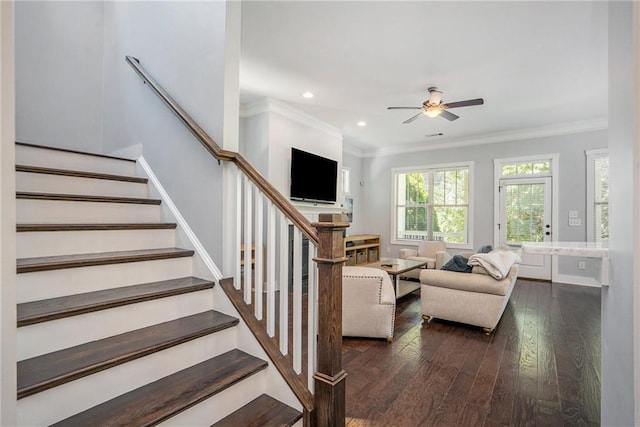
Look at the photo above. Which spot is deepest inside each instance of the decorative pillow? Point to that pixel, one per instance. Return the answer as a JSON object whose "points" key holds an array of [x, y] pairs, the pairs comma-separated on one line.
{"points": [[457, 263], [485, 249]]}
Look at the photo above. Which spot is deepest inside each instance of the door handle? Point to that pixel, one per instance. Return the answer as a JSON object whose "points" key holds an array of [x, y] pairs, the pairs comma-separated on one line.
{"points": [[547, 226], [548, 233]]}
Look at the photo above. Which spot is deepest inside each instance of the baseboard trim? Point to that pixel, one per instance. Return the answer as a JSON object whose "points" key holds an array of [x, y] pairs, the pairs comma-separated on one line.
{"points": [[182, 223], [576, 280]]}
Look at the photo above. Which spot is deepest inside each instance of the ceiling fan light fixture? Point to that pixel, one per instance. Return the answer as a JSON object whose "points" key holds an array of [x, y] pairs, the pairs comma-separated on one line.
{"points": [[432, 110]]}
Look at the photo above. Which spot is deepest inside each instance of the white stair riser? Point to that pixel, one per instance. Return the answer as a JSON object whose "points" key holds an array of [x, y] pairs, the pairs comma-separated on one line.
{"points": [[222, 404], [45, 183], [54, 335], [33, 156], [50, 243], [54, 211], [56, 283], [73, 397]]}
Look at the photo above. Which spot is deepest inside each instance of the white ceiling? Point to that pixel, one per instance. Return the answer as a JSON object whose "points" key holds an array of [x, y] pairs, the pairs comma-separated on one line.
{"points": [[541, 67]]}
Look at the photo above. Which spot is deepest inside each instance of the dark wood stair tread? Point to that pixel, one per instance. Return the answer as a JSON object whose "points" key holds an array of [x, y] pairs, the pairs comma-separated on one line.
{"points": [[27, 265], [80, 174], [30, 313], [93, 227], [68, 150], [263, 411], [26, 195], [162, 399], [53, 369]]}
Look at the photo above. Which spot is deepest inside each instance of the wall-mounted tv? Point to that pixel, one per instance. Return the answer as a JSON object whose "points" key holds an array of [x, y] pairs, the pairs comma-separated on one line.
{"points": [[313, 178]]}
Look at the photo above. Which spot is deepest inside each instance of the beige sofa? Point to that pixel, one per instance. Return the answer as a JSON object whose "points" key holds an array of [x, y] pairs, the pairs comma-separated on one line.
{"points": [[433, 252], [475, 298], [368, 303]]}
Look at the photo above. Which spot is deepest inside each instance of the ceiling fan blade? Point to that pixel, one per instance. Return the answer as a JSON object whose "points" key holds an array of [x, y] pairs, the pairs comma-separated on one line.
{"points": [[410, 119], [467, 103], [404, 108], [448, 115]]}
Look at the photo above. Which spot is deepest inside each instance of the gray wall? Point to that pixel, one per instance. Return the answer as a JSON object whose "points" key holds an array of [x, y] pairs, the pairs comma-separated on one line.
{"points": [[353, 162], [181, 44], [59, 73], [378, 193], [74, 90], [617, 300]]}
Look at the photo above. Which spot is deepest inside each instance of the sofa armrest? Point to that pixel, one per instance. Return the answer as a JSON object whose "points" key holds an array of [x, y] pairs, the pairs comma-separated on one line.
{"points": [[441, 258], [406, 253]]}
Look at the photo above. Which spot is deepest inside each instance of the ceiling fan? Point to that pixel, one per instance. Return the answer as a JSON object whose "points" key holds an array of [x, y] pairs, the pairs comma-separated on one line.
{"points": [[434, 107]]}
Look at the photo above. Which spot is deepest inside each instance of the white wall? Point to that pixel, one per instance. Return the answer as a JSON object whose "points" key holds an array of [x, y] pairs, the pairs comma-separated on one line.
{"points": [[182, 45], [354, 163], [617, 300], [59, 73], [269, 131], [378, 193], [7, 220]]}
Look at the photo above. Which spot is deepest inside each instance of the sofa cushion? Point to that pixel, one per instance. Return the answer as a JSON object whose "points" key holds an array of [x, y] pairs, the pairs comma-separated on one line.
{"points": [[468, 282], [457, 263]]}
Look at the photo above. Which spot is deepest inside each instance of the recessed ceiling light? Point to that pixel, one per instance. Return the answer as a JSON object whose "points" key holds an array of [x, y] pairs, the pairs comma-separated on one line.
{"points": [[361, 123], [307, 95]]}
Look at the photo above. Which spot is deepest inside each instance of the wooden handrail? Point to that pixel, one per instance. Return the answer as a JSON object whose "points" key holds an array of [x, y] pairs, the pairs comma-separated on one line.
{"points": [[225, 155]]}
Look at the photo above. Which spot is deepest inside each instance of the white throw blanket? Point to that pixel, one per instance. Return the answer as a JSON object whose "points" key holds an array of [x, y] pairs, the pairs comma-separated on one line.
{"points": [[497, 263]]}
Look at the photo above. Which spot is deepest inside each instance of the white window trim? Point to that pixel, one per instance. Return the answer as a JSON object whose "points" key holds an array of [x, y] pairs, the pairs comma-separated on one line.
{"points": [[429, 168], [347, 191], [592, 155]]}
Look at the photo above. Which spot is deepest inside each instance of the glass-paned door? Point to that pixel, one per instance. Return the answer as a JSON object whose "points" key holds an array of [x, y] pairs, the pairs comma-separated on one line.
{"points": [[525, 216]]}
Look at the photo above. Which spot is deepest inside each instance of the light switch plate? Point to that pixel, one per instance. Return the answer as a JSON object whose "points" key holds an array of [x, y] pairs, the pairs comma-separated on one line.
{"points": [[575, 222], [573, 214]]}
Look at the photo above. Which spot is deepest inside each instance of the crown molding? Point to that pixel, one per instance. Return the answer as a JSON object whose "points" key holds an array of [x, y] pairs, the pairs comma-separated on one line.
{"points": [[268, 105], [507, 136]]}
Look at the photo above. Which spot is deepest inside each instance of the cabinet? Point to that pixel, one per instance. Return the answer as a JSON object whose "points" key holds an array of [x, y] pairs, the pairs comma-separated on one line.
{"points": [[362, 249]]}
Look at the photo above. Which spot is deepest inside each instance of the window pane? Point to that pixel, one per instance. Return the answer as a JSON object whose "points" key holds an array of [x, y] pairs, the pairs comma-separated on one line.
{"points": [[601, 176], [602, 221], [450, 223], [462, 186], [450, 187], [415, 189], [438, 188], [541, 167], [525, 169], [509, 169], [412, 222], [525, 209]]}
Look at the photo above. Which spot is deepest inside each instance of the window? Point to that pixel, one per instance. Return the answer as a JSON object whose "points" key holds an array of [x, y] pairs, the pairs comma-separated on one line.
{"points": [[346, 181], [597, 195], [432, 203], [520, 169]]}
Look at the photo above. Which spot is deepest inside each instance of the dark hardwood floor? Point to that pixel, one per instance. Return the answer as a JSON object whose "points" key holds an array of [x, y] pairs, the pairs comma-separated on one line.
{"points": [[540, 367]]}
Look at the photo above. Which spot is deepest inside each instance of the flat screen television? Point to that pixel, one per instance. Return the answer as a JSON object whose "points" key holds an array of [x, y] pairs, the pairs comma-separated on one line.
{"points": [[313, 178]]}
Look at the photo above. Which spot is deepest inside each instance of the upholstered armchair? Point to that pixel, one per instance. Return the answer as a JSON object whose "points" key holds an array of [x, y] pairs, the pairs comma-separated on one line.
{"points": [[432, 251], [368, 303]]}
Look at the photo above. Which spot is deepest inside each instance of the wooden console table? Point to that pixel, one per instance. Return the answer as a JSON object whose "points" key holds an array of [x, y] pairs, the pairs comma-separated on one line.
{"points": [[362, 249]]}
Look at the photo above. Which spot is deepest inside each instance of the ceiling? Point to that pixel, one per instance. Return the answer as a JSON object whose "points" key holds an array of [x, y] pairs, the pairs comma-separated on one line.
{"points": [[541, 67]]}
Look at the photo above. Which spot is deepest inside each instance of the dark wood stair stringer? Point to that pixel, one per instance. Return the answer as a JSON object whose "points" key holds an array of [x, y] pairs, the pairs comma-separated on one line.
{"points": [[22, 228], [80, 174], [263, 411], [30, 313], [59, 367], [28, 265], [26, 195], [284, 364], [168, 396]]}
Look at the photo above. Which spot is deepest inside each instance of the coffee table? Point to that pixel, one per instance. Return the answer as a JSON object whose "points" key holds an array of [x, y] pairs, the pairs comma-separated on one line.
{"points": [[395, 267]]}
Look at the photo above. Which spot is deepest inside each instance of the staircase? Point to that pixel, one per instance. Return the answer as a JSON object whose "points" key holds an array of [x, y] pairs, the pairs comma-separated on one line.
{"points": [[113, 329]]}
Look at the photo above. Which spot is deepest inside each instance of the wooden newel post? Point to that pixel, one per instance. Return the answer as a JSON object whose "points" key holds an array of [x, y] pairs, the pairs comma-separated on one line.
{"points": [[330, 377]]}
